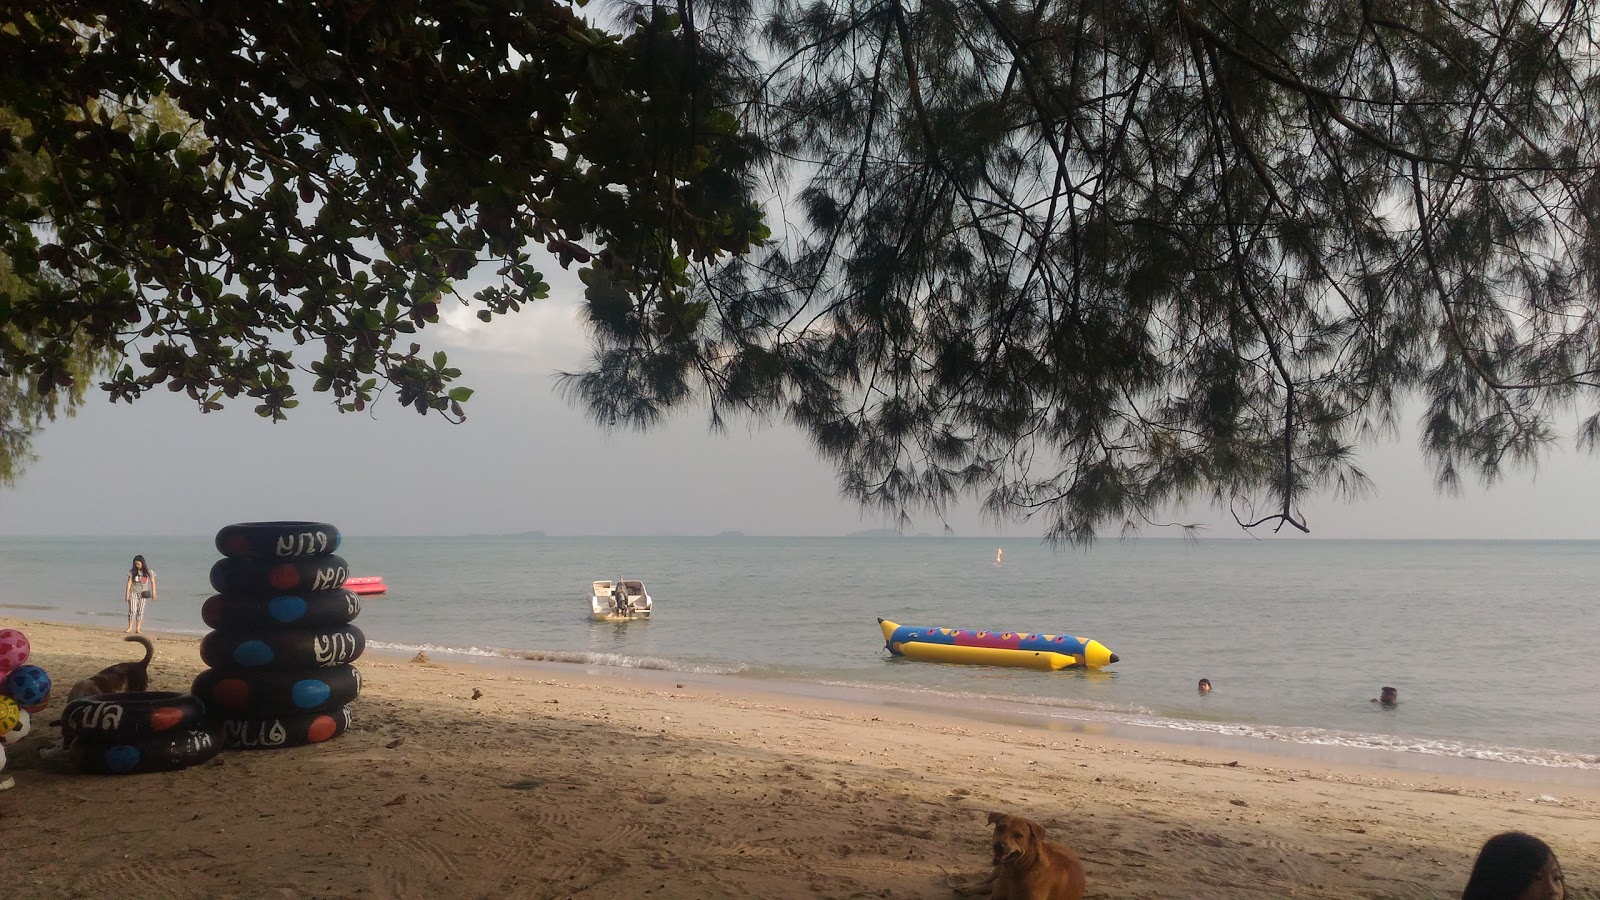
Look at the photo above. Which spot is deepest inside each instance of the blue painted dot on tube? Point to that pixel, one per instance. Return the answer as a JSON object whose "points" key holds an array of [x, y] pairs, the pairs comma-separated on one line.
{"points": [[253, 653], [310, 693], [286, 608], [122, 758]]}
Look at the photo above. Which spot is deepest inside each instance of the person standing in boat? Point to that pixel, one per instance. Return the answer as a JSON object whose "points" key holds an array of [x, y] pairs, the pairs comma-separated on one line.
{"points": [[139, 589]]}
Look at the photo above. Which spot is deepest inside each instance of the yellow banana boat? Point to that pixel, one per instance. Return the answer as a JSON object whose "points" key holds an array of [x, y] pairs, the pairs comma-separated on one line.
{"points": [[1045, 652]]}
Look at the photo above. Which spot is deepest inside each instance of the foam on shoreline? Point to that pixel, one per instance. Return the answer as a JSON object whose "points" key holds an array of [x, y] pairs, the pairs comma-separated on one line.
{"points": [[1416, 754], [579, 657]]}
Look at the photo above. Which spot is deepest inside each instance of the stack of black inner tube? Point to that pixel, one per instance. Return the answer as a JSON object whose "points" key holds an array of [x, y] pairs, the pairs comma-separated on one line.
{"points": [[144, 731], [280, 656]]}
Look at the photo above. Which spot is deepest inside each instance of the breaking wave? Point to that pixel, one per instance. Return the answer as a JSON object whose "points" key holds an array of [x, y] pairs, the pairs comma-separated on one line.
{"points": [[1042, 709], [576, 657], [1051, 708]]}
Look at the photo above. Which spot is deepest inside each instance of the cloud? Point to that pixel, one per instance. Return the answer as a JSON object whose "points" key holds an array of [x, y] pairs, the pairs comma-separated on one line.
{"points": [[540, 338]]}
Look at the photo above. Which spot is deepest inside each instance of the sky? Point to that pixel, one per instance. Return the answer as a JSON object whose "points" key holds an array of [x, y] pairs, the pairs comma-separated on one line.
{"points": [[526, 460]]}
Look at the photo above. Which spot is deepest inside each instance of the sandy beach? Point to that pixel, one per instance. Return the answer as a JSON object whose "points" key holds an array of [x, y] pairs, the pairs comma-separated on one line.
{"points": [[559, 782]]}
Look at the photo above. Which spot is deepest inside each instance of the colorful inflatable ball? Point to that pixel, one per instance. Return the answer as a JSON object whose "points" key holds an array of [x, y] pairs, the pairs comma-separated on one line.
{"points": [[138, 714], [10, 715], [277, 540], [178, 749], [283, 651], [24, 726], [241, 694], [14, 650], [308, 609], [29, 686], [260, 576], [277, 732]]}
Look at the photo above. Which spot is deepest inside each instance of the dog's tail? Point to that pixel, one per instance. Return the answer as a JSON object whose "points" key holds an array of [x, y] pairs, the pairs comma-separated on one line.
{"points": [[149, 648]]}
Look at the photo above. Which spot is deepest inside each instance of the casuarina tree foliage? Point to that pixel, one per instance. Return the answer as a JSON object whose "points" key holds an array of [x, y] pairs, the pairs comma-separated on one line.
{"points": [[1083, 260], [1089, 259]]}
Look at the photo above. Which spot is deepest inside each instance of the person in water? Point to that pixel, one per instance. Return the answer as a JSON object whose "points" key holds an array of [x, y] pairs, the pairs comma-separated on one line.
{"points": [[1205, 686], [1515, 866], [1387, 696], [139, 589]]}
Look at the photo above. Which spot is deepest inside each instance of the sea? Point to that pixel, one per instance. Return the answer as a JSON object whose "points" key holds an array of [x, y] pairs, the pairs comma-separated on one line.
{"points": [[1493, 645]]}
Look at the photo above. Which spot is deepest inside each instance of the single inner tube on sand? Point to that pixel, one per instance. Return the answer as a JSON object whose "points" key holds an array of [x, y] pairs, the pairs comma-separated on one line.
{"points": [[307, 609], [276, 732], [277, 540], [179, 749], [235, 694], [125, 716], [287, 650], [260, 576]]}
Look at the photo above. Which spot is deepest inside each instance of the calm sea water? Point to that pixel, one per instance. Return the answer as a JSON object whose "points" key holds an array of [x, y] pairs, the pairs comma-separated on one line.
{"points": [[1492, 644]]}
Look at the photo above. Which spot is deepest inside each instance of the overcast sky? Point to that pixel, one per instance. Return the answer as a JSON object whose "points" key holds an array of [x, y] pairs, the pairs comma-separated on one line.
{"points": [[526, 461]]}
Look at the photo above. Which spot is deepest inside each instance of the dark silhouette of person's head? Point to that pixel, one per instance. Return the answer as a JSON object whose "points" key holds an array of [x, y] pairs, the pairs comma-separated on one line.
{"points": [[1388, 696], [1515, 866], [1205, 685]]}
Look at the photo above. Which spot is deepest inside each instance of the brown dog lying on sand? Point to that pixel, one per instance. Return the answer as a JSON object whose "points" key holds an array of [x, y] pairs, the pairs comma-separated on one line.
{"points": [[119, 678], [1027, 867]]}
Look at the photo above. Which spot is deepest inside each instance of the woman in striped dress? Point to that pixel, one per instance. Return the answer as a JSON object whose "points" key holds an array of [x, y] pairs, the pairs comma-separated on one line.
{"points": [[140, 589]]}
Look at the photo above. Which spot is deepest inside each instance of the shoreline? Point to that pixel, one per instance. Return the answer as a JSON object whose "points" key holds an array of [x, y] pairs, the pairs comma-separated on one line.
{"points": [[562, 782], [1025, 717], [1475, 681], [1001, 712]]}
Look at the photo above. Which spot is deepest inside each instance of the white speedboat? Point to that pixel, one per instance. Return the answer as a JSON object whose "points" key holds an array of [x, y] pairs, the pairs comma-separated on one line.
{"points": [[622, 600]]}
